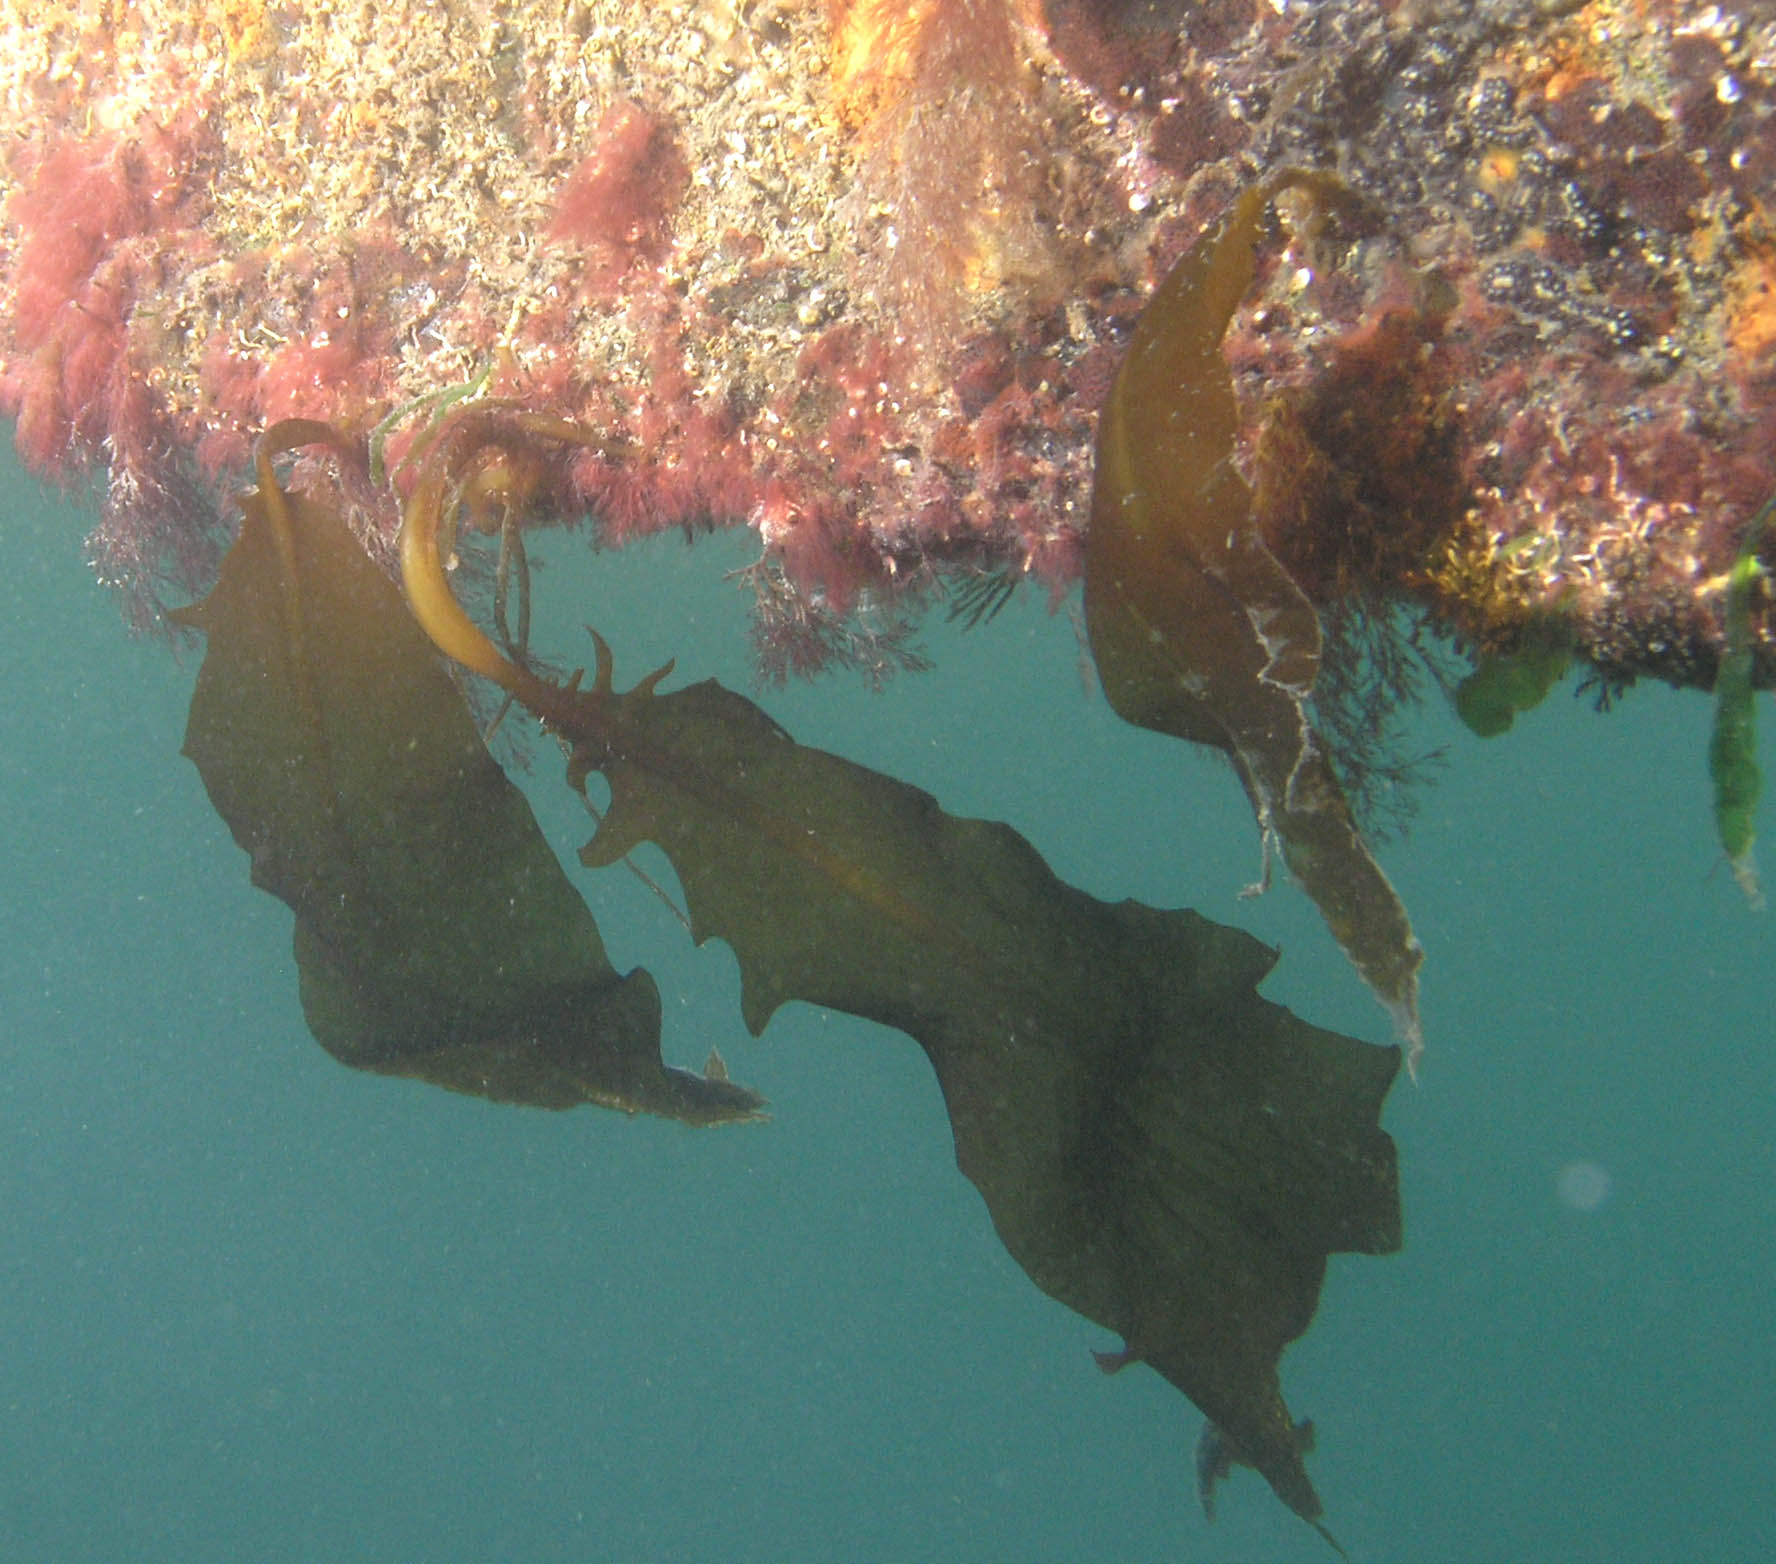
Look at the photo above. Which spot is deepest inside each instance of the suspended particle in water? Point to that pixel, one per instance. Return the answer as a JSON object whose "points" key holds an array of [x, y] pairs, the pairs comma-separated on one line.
{"points": [[1582, 1186]]}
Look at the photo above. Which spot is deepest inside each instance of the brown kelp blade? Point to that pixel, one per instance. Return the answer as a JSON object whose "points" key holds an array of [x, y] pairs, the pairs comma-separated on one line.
{"points": [[1196, 628], [1159, 1147], [436, 934]]}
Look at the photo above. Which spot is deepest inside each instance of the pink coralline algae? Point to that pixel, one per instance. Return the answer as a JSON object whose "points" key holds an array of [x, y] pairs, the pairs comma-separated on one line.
{"points": [[857, 275], [616, 206], [93, 216]]}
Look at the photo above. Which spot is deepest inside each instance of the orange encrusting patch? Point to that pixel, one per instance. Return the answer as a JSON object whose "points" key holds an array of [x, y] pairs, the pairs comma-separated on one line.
{"points": [[875, 47], [1751, 317], [883, 48], [936, 95]]}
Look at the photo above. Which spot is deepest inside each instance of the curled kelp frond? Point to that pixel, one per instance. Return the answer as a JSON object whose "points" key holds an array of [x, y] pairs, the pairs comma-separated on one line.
{"points": [[1197, 629]]}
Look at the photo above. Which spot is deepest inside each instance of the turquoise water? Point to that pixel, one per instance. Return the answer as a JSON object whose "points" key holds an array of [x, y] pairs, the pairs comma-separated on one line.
{"points": [[258, 1307]]}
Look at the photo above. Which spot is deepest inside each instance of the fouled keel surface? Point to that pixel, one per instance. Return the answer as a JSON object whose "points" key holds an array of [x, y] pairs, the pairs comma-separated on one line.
{"points": [[1159, 1147]]}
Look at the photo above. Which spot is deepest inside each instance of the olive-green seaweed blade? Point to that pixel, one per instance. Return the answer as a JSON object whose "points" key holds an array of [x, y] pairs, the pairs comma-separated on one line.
{"points": [[1197, 630], [1159, 1147], [437, 936]]}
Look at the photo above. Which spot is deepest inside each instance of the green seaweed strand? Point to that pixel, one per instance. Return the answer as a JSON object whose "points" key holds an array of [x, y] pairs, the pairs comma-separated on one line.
{"points": [[1732, 747], [438, 401]]}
